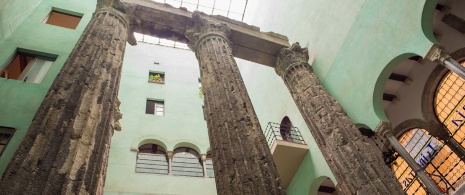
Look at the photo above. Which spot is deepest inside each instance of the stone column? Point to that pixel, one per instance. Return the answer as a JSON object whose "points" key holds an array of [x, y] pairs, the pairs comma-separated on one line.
{"points": [[203, 159], [65, 149], [439, 55], [385, 130], [354, 163], [169, 155], [241, 158]]}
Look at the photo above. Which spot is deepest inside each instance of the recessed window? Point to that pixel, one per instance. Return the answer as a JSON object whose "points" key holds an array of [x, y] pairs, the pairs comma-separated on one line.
{"points": [[27, 67], [156, 77], [155, 107], [186, 162], [151, 158], [62, 19], [5, 135]]}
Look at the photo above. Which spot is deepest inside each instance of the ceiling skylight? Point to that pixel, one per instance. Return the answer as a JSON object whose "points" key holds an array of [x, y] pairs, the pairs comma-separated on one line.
{"points": [[228, 8]]}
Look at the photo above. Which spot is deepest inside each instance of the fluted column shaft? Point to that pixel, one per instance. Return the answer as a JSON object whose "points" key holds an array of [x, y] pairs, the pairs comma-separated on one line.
{"points": [[242, 160], [65, 150], [356, 166]]}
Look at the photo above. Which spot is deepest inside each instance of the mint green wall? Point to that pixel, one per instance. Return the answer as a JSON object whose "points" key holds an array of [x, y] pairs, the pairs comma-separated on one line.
{"points": [[19, 100], [352, 41], [272, 102], [182, 125]]}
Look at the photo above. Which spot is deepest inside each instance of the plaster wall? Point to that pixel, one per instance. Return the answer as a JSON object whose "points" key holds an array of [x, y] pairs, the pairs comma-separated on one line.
{"points": [[182, 125], [20, 100], [272, 102], [351, 42]]}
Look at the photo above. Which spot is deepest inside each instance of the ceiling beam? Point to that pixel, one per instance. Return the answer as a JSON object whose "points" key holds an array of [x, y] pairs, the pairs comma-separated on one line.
{"points": [[248, 43]]}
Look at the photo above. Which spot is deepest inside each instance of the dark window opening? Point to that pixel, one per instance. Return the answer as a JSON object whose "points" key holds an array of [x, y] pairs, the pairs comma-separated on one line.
{"points": [[6, 133], [285, 129], [61, 19], [155, 107], [27, 67]]}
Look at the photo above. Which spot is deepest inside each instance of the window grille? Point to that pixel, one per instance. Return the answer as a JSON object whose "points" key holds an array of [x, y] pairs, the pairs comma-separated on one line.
{"points": [[151, 158], [186, 162]]}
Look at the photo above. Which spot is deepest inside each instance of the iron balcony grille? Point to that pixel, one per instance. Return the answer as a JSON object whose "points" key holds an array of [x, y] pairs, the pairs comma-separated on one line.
{"points": [[276, 131]]}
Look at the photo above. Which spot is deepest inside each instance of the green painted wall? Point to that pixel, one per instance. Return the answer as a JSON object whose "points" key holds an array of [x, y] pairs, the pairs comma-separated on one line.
{"points": [[352, 43], [19, 100], [182, 125], [272, 102], [353, 47]]}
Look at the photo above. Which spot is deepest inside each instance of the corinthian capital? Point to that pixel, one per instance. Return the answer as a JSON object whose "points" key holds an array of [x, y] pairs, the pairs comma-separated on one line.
{"points": [[204, 28], [291, 56], [384, 129]]}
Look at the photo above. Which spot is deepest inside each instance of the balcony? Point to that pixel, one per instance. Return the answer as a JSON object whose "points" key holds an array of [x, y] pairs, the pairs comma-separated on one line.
{"points": [[288, 149]]}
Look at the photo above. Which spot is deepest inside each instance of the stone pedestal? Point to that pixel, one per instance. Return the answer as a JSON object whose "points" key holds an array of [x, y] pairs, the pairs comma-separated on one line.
{"points": [[354, 163], [242, 160], [65, 150]]}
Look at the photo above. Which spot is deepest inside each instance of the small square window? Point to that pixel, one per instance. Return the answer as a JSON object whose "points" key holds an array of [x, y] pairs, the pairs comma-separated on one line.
{"points": [[62, 19], [156, 77], [155, 107], [27, 67], [5, 135]]}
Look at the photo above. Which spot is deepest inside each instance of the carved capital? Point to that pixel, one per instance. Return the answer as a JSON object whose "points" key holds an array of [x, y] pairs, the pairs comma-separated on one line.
{"points": [[204, 28], [289, 57], [169, 154], [203, 157], [437, 54], [384, 129], [124, 12]]}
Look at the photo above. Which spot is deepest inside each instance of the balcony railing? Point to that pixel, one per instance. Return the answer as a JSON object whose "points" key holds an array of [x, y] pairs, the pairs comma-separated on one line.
{"points": [[276, 131]]}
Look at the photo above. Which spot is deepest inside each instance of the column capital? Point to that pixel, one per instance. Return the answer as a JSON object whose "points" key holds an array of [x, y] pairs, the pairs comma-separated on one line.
{"points": [[203, 157], [204, 28], [289, 57], [169, 154], [437, 54], [124, 12], [384, 129]]}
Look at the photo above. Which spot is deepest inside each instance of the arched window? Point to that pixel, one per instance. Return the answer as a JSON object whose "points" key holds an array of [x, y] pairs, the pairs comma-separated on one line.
{"points": [[285, 129], [438, 161], [326, 187], [151, 158], [186, 162], [450, 104]]}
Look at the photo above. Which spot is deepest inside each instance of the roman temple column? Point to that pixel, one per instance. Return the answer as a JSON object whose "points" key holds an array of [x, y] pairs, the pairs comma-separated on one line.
{"points": [[356, 166], [242, 160], [65, 150]]}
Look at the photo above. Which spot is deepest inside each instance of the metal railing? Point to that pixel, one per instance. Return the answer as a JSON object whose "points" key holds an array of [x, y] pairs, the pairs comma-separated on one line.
{"points": [[276, 131]]}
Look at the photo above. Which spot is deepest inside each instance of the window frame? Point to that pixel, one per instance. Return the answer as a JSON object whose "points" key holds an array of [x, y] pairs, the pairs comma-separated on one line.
{"points": [[157, 103], [23, 75], [11, 133]]}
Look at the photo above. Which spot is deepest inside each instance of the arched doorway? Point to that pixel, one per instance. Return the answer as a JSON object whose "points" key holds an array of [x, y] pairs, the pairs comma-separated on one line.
{"points": [[285, 129]]}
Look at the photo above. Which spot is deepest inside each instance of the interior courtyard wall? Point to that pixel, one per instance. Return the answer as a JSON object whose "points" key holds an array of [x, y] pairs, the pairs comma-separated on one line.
{"points": [[20, 100], [182, 122], [272, 102], [351, 43]]}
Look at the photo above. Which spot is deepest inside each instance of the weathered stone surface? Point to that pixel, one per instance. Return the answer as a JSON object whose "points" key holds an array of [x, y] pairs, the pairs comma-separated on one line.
{"points": [[241, 158], [247, 42], [358, 170], [66, 147]]}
